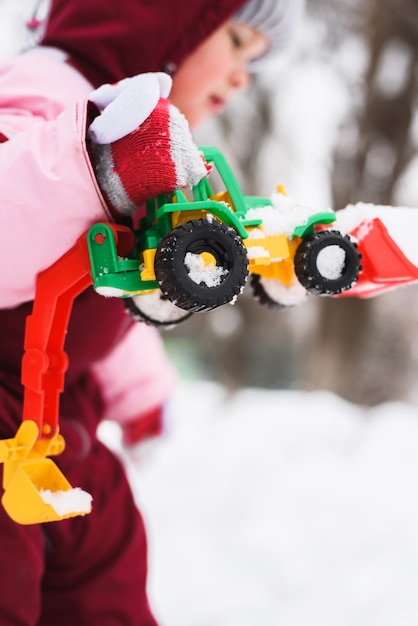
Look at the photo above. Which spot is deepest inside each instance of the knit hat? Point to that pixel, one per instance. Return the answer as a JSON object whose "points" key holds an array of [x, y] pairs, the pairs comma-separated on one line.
{"points": [[109, 40], [276, 19]]}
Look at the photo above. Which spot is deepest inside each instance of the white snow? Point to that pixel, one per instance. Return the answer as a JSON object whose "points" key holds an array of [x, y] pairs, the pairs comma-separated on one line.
{"points": [[281, 509], [111, 292], [69, 501], [330, 262], [200, 272], [155, 306], [257, 252], [282, 294], [282, 217]]}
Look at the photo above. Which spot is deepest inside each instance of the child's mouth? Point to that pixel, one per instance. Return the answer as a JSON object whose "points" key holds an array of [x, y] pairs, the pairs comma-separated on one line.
{"points": [[217, 103]]}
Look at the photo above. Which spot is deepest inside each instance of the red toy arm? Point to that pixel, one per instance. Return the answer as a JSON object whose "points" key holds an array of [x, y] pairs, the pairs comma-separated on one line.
{"points": [[45, 362]]}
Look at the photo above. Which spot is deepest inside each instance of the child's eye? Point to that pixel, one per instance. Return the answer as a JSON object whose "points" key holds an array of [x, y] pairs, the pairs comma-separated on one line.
{"points": [[235, 38]]}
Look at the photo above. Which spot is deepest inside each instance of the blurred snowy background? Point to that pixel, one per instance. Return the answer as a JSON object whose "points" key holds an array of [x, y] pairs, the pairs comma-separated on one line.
{"points": [[283, 492]]}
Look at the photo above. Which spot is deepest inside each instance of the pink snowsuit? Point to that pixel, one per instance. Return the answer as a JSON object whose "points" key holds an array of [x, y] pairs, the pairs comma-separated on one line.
{"points": [[117, 369], [86, 570]]}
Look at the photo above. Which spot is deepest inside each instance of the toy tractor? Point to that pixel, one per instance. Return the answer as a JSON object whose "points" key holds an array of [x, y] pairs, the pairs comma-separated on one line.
{"points": [[189, 253], [196, 250]]}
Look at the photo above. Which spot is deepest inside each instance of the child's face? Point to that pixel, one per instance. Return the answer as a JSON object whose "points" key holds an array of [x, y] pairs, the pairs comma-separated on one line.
{"points": [[205, 81]]}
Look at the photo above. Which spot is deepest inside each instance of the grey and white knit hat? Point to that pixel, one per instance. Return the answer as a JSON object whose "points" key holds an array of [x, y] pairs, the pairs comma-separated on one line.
{"points": [[276, 19]]}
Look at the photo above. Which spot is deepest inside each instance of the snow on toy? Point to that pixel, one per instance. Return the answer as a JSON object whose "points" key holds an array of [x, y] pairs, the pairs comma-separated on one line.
{"points": [[313, 258], [190, 253]]}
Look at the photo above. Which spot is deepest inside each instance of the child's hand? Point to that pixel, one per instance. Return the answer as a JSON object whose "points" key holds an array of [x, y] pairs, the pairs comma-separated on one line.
{"points": [[147, 426], [140, 144], [141, 436]]}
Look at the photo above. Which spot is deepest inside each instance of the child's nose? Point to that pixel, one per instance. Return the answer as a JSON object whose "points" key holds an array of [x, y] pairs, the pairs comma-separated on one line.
{"points": [[240, 78]]}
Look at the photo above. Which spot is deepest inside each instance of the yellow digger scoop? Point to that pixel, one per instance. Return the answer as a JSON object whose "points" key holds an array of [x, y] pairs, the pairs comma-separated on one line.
{"points": [[36, 490]]}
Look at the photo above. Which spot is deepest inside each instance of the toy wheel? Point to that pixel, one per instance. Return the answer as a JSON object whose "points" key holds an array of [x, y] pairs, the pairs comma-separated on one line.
{"points": [[273, 294], [327, 263], [201, 265], [155, 309]]}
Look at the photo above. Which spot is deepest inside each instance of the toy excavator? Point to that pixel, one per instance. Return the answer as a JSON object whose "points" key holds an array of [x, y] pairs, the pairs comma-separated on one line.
{"points": [[189, 254]]}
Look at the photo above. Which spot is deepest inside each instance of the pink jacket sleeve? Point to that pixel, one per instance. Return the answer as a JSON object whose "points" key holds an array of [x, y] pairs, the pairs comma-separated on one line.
{"points": [[49, 198], [136, 377], [47, 153]]}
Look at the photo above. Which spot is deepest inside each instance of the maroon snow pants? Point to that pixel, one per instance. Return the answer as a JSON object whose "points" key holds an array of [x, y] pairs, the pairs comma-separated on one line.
{"points": [[83, 571]]}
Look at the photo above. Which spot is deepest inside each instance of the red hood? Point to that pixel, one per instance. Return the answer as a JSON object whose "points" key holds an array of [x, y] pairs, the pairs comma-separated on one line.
{"points": [[111, 40]]}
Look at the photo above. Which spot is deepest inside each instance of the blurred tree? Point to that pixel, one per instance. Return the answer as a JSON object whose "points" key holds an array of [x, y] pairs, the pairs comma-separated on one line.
{"points": [[358, 349], [362, 351]]}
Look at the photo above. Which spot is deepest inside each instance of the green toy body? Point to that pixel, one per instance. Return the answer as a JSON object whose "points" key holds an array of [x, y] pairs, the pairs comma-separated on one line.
{"points": [[221, 229]]}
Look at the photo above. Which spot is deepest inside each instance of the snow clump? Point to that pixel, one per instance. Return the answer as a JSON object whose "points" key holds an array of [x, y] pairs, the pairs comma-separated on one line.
{"points": [[69, 501], [200, 272], [283, 216]]}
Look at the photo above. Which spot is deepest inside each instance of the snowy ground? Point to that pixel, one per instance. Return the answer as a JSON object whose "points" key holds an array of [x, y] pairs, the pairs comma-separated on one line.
{"points": [[281, 509]]}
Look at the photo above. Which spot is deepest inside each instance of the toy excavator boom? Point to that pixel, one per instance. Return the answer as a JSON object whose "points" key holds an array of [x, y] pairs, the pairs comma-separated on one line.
{"points": [[35, 490]]}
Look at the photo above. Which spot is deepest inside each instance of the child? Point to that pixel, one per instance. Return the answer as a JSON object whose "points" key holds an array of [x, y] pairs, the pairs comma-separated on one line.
{"points": [[64, 165]]}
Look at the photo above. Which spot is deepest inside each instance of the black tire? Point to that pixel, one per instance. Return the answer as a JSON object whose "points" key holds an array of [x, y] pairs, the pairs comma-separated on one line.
{"points": [[308, 268], [266, 292], [196, 237], [154, 310]]}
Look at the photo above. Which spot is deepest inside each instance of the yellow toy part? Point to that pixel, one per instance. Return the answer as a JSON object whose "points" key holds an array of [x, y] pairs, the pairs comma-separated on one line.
{"points": [[148, 273], [273, 257], [36, 491]]}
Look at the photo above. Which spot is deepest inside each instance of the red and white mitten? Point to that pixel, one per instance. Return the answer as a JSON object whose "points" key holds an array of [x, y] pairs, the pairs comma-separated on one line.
{"points": [[140, 144]]}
